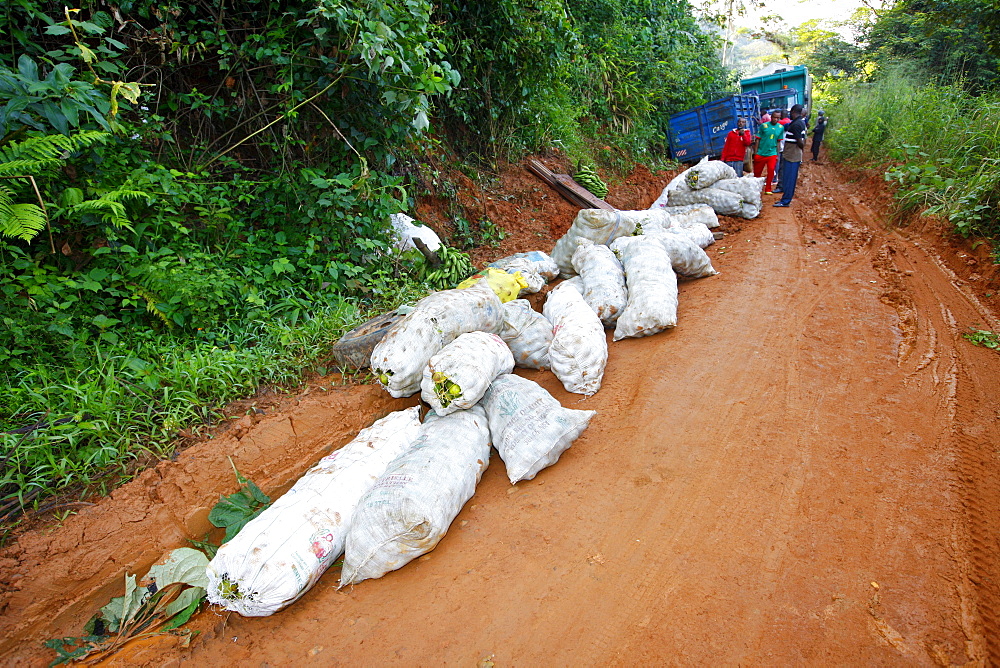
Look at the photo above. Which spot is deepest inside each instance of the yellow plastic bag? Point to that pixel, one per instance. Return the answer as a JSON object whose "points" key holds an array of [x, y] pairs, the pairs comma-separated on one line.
{"points": [[506, 286]]}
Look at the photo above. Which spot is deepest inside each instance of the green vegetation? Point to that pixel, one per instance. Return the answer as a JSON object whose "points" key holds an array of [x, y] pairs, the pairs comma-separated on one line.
{"points": [[984, 338], [939, 145], [194, 198]]}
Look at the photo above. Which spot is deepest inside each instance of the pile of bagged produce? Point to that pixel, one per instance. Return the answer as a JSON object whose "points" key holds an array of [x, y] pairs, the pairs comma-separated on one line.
{"points": [[713, 184], [391, 494]]}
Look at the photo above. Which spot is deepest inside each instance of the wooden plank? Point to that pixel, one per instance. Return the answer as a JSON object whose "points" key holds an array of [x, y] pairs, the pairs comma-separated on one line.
{"points": [[571, 191]]}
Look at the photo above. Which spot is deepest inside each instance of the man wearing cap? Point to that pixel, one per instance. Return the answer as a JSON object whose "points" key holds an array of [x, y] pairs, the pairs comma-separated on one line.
{"points": [[818, 133], [795, 143], [766, 149], [736, 144]]}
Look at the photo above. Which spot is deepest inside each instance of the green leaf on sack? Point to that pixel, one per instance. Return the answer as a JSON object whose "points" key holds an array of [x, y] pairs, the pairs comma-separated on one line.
{"points": [[233, 512]]}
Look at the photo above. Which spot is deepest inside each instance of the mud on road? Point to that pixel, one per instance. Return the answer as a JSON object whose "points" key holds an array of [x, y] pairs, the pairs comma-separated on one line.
{"points": [[804, 471]]}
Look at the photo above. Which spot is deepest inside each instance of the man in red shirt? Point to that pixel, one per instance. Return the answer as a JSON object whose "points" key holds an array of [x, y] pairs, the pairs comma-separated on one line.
{"points": [[734, 150]]}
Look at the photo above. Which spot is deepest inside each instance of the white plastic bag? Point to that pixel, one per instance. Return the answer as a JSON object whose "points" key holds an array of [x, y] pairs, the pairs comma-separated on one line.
{"points": [[603, 280], [457, 376], [686, 258], [598, 225], [398, 360], [704, 174], [405, 231], [579, 349], [530, 429], [409, 509], [698, 233], [527, 333], [282, 552], [652, 288]]}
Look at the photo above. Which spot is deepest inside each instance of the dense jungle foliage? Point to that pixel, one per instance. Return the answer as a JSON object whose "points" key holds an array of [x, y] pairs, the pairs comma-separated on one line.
{"points": [[194, 197], [925, 109]]}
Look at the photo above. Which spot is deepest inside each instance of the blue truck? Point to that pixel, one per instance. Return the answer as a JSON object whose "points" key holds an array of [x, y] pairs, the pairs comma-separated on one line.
{"points": [[779, 86], [702, 131]]}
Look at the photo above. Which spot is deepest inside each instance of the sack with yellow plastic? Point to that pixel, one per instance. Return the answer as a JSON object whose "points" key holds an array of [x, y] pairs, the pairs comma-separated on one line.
{"points": [[506, 286]]}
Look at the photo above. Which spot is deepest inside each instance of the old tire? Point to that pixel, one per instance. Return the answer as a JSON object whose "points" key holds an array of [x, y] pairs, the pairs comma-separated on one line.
{"points": [[354, 349]]}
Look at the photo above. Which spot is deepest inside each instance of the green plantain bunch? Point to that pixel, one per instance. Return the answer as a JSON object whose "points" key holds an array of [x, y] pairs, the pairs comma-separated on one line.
{"points": [[587, 177]]}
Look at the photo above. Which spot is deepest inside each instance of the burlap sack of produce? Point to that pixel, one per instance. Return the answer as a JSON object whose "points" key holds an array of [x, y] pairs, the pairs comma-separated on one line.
{"points": [[598, 225], [536, 267], [748, 187], [507, 286], [527, 333], [705, 174], [530, 429], [282, 552], [692, 214], [399, 359], [539, 262], [686, 258], [603, 280], [652, 288], [579, 349], [410, 507], [722, 202], [697, 232], [457, 376]]}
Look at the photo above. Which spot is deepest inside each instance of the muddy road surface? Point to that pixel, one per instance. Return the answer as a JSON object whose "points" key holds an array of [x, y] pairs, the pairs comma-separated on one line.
{"points": [[803, 472]]}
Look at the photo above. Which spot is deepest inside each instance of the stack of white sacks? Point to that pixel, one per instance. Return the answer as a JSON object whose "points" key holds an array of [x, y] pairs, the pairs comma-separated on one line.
{"points": [[391, 494], [713, 183]]}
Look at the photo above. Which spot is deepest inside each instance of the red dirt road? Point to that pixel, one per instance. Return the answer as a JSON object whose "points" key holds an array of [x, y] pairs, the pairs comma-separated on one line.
{"points": [[804, 471]]}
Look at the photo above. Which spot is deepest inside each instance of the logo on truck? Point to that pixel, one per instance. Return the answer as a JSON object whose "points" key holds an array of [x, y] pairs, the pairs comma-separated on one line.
{"points": [[720, 128]]}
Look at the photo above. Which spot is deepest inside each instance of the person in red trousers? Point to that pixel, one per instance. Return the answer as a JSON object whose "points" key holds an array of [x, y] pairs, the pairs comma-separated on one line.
{"points": [[736, 144], [766, 149]]}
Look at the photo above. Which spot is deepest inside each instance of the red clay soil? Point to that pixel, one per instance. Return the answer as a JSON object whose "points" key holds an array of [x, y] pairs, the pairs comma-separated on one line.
{"points": [[804, 471]]}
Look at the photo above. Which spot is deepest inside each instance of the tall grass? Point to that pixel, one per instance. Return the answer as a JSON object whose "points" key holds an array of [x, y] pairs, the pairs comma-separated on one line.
{"points": [[79, 426], [939, 144]]}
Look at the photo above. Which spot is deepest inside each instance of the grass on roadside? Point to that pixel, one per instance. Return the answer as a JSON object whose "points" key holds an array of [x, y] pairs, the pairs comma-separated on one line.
{"points": [[938, 144]]}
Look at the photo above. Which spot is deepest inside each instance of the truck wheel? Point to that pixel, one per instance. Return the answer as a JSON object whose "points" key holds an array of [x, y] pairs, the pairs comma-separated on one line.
{"points": [[354, 349]]}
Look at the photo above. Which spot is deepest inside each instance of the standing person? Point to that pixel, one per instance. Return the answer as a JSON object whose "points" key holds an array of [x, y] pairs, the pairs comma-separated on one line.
{"points": [[782, 117], [766, 149], [795, 144], [736, 144], [818, 133]]}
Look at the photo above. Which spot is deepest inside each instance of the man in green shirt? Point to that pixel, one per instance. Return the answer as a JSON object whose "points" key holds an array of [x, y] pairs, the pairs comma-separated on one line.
{"points": [[766, 148]]}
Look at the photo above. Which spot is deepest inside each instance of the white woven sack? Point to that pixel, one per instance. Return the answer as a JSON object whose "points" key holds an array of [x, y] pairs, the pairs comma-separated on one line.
{"points": [[436, 320], [527, 333], [579, 349], [534, 280], [652, 288], [598, 225], [698, 233], [538, 262], [529, 428], [686, 258], [409, 509], [704, 174], [471, 362], [691, 214], [749, 211], [282, 552], [603, 280], [748, 188], [722, 201]]}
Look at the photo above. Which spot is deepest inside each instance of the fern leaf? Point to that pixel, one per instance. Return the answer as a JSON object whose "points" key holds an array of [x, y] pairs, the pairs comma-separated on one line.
{"points": [[21, 221], [38, 154], [152, 299]]}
